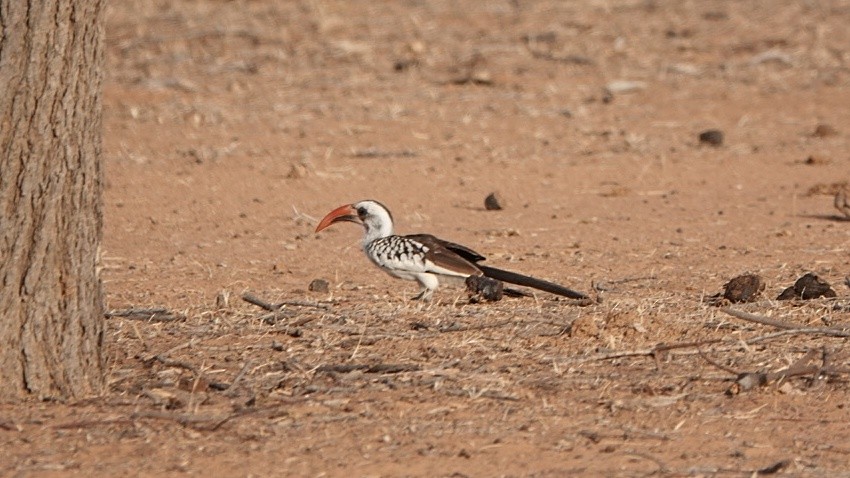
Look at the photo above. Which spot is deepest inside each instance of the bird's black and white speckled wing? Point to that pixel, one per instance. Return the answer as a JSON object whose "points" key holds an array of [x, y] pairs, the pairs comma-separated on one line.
{"points": [[417, 254]]}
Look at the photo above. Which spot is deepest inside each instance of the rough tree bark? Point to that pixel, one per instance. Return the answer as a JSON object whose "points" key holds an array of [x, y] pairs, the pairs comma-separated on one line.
{"points": [[51, 304]]}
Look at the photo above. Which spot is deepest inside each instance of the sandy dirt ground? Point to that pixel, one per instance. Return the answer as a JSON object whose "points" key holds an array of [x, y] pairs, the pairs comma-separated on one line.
{"points": [[231, 127]]}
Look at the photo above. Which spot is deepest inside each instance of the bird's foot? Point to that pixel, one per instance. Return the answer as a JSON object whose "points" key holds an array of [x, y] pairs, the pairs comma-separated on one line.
{"points": [[424, 295]]}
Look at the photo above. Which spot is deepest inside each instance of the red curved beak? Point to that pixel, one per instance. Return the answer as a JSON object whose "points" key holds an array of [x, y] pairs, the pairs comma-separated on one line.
{"points": [[345, 213]]}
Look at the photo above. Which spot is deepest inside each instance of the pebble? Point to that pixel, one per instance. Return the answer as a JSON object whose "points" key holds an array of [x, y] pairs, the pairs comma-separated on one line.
{"points": [[494, 202], [319, 285], [713, 137]]}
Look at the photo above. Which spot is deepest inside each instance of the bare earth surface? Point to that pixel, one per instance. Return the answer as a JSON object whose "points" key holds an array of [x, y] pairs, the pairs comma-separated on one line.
{"points": [[231, 127]]}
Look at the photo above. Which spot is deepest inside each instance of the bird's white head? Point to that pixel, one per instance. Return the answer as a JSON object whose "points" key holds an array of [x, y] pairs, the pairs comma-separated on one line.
{"points": [[372, 215]]}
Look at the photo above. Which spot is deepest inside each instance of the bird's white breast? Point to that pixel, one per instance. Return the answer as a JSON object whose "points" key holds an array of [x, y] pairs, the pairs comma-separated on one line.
{"points": [[397, 255]]}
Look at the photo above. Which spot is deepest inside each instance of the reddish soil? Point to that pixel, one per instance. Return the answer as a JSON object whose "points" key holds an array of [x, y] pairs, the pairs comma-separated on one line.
{"points": [[231, 127]]}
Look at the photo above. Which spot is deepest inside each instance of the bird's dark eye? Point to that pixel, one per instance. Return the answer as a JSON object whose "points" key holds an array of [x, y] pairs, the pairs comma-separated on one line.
{"points": [[361, 211]]}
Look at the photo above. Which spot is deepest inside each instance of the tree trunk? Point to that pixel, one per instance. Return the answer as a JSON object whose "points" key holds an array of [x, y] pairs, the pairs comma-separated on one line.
{"points": [[51, 304]]}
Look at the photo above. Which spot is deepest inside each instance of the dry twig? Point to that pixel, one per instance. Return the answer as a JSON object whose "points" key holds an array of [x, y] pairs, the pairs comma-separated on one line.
{"points": [[156, 314], [252, 299], [198, 422], [366, 368], [177, 363], [651, 351], [781, 324], [464, 328], [232, 387]]}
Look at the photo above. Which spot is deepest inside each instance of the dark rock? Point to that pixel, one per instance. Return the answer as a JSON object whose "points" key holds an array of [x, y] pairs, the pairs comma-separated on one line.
{"points": [[744, 288], [494, 202], [482, 288], [713, 137], [808, 287], [319, 285]]}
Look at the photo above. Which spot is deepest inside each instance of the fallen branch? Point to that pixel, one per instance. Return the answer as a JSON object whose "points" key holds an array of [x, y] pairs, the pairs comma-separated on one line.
{"points": [[89, 423], [252, 299], [660, 348], [302, 303], [163, 358], [302, 321], [490, 394], [718, 364], [290, 329], [378, 153], [232, 387], [803, 331], [157, 314], [464, 328], [258, 302], [273, 317], [781, 324], [198, 422], [652, 351], [377, 368], [177, 363]]}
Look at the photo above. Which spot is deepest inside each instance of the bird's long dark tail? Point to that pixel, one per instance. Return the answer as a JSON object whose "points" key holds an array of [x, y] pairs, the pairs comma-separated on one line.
{"points": [[539, 284]]}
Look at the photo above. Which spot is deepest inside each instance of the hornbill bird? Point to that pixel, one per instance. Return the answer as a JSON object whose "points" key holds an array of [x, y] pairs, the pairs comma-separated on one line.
{"points": [[422, 257]]}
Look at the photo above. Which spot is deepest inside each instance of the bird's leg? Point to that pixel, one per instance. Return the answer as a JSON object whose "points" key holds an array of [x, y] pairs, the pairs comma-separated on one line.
{"points": [[429, 283]]}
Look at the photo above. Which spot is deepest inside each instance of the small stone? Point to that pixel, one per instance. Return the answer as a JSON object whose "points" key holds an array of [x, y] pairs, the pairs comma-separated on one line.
{"points": [[494, 202], [824, 131], [319, 285], [405, 64], [808, 287], [816, 159], [712, 137], [744, 288]]}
